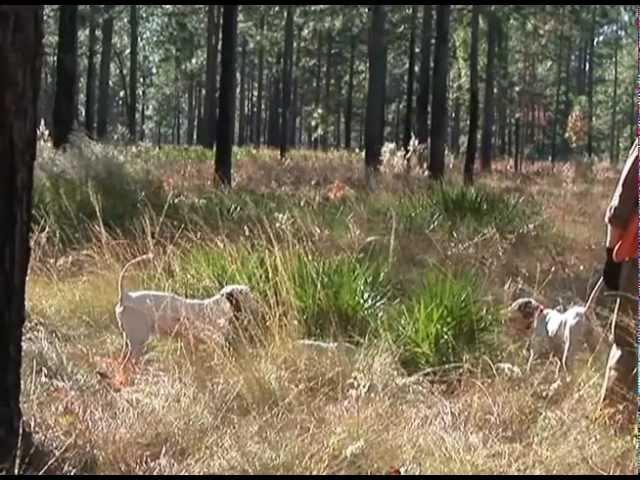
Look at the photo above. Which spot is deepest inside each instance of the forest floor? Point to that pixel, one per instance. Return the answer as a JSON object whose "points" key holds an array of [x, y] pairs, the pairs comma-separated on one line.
{"points": [[414, 275]]}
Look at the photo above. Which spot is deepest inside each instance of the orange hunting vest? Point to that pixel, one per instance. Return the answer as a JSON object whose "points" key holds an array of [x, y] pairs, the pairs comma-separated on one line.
{"points": [[627, 248]]}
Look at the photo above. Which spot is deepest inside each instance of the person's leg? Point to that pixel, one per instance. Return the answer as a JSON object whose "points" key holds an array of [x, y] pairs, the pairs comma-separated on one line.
{"points": [[620, 385]]}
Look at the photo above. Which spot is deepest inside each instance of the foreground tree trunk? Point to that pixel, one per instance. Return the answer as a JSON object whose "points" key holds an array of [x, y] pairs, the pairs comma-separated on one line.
{"points": [[90, 96], [20, 68], [104, 99], [64, 107], [133, 71], [439, 100], [474, 107], [374, 130], [227, 100]]}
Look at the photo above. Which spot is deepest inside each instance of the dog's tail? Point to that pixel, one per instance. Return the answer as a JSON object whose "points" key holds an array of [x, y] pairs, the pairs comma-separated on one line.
{"points": [[594, 295], [148, 256]]}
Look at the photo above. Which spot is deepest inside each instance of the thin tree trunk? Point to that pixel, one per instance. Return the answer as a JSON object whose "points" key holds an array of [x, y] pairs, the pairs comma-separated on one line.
{"points": [[104, 96], [143, 107], [422, 101], [556, 110], [316, 125], [190, 112], [295, 110], [474, 100], [327, 93], [408, 121], [133, 70], [286, 81], [90, 96], [67, 71], [260, 83], [591, 69], [614, 110], [489, 105], [242, 113], [21, 34], [440, 94], [210, 101], [374, 130], [226, 115], [349, 112]]}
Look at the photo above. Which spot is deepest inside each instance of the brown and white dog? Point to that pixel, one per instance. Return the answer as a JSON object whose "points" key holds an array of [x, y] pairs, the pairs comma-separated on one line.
{"points": [[141, 314], [562, 334]]}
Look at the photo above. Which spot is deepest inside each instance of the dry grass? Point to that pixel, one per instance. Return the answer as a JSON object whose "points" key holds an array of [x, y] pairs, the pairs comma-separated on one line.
{"points": [[272, 409]]}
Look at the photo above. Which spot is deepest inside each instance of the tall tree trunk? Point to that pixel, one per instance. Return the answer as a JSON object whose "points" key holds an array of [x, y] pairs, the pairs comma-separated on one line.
{"points": [[408, 121], [455, 129], [133, 70], [21, 36], [591, 69], [242, 113], [286, 81], [440, 94], [67, 71], [191, 120], [474, 100], [143, 106], [210, 101], [260, 83], [252, 111], [178, 104], [614, 108], [226, 115], [396, 131], [489, 105], [90, 96], [503, 82], [556, 109], [104, 96], [348, 117], [422, 101], [318, 86], [296, 95], [374, 130], [327, 93]]}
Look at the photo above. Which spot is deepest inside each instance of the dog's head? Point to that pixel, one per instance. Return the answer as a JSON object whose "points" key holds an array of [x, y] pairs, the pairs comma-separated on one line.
{"points": [[243, 304], [522, 315]]}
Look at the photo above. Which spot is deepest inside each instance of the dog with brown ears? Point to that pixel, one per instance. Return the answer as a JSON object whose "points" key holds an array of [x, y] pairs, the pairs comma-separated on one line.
{"points": [[143, 314]]}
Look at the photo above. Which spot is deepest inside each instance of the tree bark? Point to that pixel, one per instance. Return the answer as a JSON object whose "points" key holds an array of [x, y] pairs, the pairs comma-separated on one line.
{"points": [[408, 121], [104, 96], [614, 110], [422, 102], [133, 70], [226, 114], [318, 86], [439, 100], [556, 110], [474, 100], [327, 94], [66, 76], [90, 96], [374, 130], [21, 35]]}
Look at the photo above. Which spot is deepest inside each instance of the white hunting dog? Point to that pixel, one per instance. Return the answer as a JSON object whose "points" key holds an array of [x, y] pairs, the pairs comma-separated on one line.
{"points": [[562, 334], [142, 314]]}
